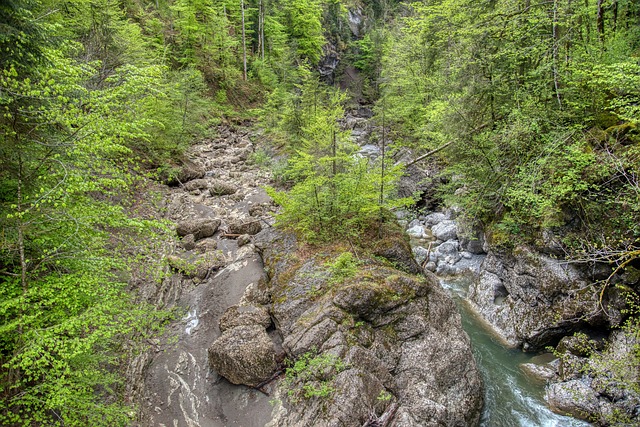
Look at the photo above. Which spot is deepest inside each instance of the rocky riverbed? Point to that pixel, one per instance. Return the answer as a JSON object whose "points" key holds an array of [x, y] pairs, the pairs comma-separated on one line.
{"points": [[391, 341]]}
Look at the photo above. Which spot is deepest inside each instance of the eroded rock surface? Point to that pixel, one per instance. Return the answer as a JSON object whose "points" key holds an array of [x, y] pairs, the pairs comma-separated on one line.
{"points": [[397, 337], [532, 299], [594, 383], [207, 273]]}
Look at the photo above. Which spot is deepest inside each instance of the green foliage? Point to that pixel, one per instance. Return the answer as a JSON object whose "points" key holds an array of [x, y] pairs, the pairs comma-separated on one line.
{"points": [[311, 376], [303, 21], [334, 192], [343, 267], [384, 396], [540, 105], [69, 127], [22, 37]]}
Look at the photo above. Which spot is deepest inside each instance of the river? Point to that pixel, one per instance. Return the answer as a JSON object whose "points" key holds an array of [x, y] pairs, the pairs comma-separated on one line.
{"points": [[511, 397]]}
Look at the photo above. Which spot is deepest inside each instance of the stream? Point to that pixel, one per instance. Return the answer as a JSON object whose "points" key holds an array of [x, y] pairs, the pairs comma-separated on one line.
{"points": [[511, 397]]}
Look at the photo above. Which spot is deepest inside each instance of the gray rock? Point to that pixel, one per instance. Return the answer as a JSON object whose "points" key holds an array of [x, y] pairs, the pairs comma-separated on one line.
{"points": [[250, 227], [370, 151], [243, 240], [574, 345], [244, 355], [445, 230], [431, 266], [244, 315], [207, 245], [196, 184], [200, 228], [414, 223], [396, 334], [355, 20], [222, 188], [416, 231], [188, 242], [197, 266], [420, 254], [434, 218], [448, 248], [471, 237], [573, 398], [186, 173], [397, 250], [532, 299], [542, 373]]}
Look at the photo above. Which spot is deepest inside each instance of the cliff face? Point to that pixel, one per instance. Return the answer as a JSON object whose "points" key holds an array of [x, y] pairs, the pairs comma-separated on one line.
{"points": [[534, 300]]}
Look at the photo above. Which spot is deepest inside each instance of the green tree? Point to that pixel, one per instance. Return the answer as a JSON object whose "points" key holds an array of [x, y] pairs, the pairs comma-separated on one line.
{"points": [[335, 192]]}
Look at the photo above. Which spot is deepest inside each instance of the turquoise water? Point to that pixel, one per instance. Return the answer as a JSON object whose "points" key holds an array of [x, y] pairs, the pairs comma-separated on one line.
{"points": [[511, 398]]}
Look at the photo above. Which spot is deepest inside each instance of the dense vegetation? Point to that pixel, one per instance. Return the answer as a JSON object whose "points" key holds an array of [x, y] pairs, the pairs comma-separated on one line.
{"points": [[538, 100]]}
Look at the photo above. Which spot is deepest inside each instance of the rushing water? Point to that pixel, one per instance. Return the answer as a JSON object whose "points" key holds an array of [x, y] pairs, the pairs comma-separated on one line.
{"points": [[511, 398]]}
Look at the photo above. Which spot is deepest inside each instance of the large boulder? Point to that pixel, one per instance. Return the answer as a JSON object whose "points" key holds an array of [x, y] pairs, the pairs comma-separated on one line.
{"points": [[397, 249], [244, 315], [573, 398], [244, 355], [251, 226], [222, 188], [196, 184], [602, 387], [199, 228], [185, 173], [445, 230]]}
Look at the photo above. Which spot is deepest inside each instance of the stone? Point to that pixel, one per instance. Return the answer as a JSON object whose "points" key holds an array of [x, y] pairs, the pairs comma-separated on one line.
{"points": [[250, 227], [431, 266], [244, 355], [199, 228], [574, 345], [533, 300], [188, 242], [445, 230], [447, 249], [542, 373], [222, 188], [434, 218], [574, 398], [243, 240], [196, 184], [416, 231], [370, 151], [397, 250], [189, 171], [207, 245], [420, 254], [244, 315]]}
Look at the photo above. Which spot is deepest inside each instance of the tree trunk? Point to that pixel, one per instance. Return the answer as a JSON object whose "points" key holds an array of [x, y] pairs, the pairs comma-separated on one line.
{"points": [[244, 45], [600, 20], [556, 77], [261, 30]]}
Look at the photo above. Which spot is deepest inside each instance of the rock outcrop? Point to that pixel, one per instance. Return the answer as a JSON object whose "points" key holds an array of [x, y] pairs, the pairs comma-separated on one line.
{"points": [[533, 300], [598, 385], [395, 339]]}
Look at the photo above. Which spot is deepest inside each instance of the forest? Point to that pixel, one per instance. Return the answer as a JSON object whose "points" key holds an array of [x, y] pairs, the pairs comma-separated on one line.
{"points": [[534, 105]]}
